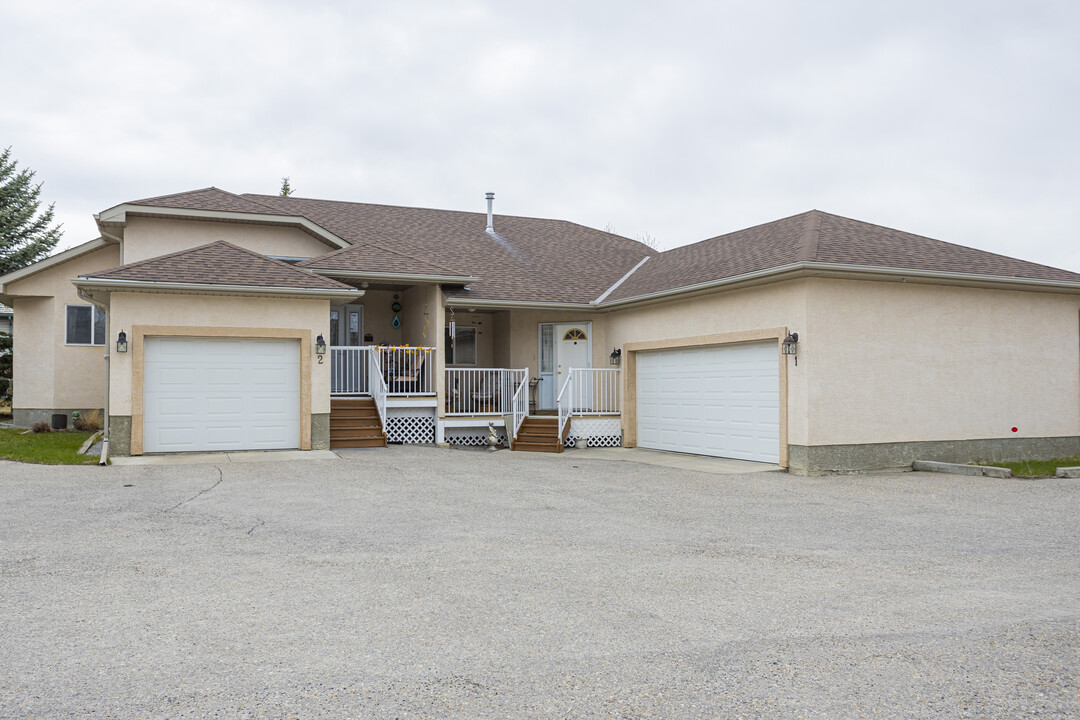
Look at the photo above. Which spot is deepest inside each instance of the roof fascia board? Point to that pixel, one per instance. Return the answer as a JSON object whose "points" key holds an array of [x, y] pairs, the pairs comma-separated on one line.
{"points": [[409, 277], [119, 215], [89, 282], [459, 302], [978, 279], [852, 271], [52, 260]]}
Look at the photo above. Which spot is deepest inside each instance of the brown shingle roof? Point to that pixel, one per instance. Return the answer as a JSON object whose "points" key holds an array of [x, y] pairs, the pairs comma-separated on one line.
{"points": [[816, 236], [362, 257], [527, 259], [538, 260], [220, 263], [210, 198]]}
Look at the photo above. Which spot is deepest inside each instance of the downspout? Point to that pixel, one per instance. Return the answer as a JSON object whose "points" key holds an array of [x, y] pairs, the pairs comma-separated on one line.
{"points": [[103, 307]]}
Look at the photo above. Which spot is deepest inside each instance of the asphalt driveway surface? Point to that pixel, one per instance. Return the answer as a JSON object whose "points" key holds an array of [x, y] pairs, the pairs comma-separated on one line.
{"points": [[416, 582]]}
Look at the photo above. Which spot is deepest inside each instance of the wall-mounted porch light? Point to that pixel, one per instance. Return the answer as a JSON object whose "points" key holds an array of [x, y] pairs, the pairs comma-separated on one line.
{"points": [[320, 345], [121, 342], [790, 346], [616, 356]]}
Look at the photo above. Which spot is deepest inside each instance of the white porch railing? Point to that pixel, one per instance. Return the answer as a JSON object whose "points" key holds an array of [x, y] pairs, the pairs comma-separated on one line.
{"points": [[349, 371], [589, 391], [405, 370], [378, 387], [484, 391], [520, 403]]}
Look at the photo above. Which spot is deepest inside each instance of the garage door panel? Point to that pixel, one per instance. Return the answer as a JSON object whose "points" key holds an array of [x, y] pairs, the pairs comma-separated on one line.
{"points": [[717, 400], [221, 394]]}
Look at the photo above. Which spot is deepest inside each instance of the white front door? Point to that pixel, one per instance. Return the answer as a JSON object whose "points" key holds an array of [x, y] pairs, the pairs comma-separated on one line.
{"points": [[221, 394], [562, 346], [721, 400], [574, 350]]}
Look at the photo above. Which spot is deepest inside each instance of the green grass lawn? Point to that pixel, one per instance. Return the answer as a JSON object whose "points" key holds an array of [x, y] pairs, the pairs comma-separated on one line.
{"points": [[56, 448], [1037, 468]]}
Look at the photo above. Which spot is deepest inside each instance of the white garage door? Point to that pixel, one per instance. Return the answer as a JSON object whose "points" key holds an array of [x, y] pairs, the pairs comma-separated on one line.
{"points": [[718, 400], [221, 394]]}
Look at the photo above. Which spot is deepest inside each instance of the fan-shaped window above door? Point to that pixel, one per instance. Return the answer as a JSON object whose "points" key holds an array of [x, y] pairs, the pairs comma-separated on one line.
{"points": [[574, 334]]}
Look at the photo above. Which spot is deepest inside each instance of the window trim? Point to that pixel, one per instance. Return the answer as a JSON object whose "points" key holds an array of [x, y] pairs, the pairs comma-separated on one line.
{"points": [[93, 326]]}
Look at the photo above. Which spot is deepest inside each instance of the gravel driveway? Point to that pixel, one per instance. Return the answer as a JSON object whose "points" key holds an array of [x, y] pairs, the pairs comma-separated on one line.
{"points": [[416, 582]]}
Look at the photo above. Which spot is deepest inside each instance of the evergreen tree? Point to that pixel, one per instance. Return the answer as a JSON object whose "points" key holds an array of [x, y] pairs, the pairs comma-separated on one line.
{"points": [[26, 235], [286, 188]]}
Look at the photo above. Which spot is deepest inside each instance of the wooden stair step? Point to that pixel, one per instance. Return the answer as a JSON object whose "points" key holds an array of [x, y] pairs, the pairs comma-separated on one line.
{"points": [[364, 442]]}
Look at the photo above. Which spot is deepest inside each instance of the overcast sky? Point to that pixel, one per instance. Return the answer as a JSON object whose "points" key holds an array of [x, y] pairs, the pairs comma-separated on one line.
{"points": [[680, 120]]}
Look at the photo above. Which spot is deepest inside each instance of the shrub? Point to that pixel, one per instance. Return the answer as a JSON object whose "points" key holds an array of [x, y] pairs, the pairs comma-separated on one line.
{"points": [[41, 427], [90, 422]]}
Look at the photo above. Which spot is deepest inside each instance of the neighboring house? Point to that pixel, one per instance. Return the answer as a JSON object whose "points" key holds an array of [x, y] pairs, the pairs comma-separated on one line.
{"points": [[7, 320], [436, 323]]}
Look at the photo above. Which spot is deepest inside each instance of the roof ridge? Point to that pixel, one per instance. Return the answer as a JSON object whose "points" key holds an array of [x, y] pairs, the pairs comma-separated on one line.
{"points": [[808, 243]]}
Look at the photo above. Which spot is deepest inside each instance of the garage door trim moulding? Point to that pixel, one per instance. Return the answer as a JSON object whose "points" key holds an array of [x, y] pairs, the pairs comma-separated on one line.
{"points": [[630, 351], [138, 369]]}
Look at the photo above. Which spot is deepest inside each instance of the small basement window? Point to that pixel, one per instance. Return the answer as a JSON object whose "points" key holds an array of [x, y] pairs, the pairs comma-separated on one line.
{"points": [[85, 325], [461, 349]]}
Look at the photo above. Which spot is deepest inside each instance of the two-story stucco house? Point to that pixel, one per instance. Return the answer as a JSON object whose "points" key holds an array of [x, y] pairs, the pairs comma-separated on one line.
{"points": [[213, 321]]}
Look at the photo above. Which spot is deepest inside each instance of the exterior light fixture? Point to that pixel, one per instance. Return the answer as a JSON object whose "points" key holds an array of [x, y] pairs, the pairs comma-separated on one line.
{"points": [[320, 345], [790, 346], [121, 342], [616, 356]]}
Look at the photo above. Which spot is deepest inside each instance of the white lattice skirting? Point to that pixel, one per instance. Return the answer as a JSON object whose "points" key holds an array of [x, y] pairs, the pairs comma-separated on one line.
{"points": [[472, 435], [410, 425], [601, 432]]}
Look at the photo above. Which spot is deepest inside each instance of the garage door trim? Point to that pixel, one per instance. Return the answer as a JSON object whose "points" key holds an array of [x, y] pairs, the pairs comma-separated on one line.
{"points": [[630, 351], [138, 366]]}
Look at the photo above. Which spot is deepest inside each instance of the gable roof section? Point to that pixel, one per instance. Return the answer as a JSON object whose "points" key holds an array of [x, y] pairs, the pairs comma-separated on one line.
{"points": [[219, 263], [363, 258], [525, 260], [818, 238], [210, 198]]}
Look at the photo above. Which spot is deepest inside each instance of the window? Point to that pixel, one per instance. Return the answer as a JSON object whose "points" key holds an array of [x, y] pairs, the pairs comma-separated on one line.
{"points": [[85, 325], [461, 349]]}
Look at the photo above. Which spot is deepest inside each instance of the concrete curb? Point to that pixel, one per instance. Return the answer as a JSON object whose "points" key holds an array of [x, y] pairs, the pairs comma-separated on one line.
{"points": [[1068, 472], [959, 469]]}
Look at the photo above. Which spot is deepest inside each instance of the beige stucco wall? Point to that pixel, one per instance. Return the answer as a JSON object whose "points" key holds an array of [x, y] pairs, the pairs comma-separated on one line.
{"points": [[216, 311], [521, 345], [894, 362], [149, 237], [768, 306], [47, 372]]}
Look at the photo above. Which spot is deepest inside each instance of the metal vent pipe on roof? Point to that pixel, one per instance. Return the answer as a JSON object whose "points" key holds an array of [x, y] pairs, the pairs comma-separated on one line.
{"points": [[491, 200]]}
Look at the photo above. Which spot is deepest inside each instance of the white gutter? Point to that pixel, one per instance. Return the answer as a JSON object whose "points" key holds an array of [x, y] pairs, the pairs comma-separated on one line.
{"points": [[459, 302], [114, 284], [620, 281], [816, 268], [404, 277]]}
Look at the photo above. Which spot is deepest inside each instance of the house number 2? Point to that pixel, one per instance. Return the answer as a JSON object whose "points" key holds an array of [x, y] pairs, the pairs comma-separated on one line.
{"points": [[321, 359]]}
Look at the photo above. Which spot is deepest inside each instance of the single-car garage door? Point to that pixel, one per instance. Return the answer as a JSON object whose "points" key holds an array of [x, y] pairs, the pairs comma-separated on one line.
{"points": [[221, 394], [721, 400]]}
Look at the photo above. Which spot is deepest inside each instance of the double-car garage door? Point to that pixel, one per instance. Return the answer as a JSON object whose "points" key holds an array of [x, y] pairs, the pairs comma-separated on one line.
{"points": [[721, 400], [220, 394]]}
